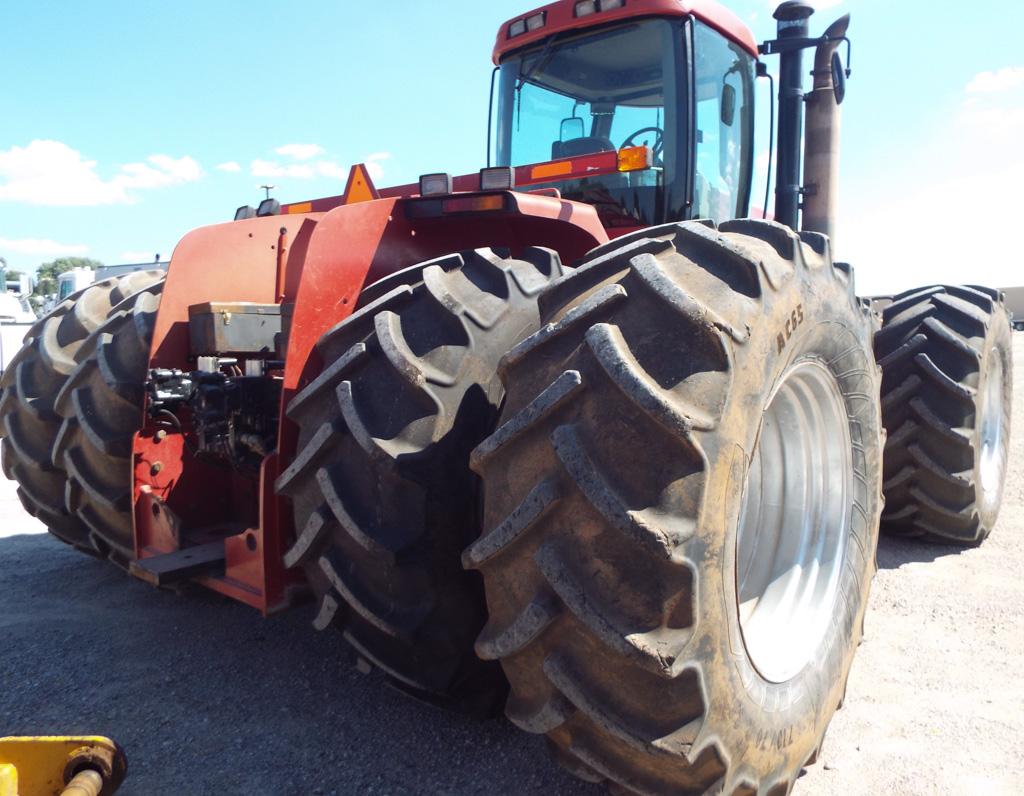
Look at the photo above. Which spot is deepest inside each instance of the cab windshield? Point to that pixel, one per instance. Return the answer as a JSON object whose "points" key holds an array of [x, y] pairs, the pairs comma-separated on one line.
{"points": [[598, 92]]}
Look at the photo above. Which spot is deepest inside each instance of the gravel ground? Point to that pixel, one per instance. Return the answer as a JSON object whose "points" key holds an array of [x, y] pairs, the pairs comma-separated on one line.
{"points": [[208, 698]]}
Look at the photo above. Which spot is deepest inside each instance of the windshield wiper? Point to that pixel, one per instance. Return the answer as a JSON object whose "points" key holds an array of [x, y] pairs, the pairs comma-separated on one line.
{"points": [[522, 78]]}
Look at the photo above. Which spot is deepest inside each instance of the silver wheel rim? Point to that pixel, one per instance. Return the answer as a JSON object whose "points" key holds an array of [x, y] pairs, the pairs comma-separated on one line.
{"points": [[795, 522], [990, 464]]}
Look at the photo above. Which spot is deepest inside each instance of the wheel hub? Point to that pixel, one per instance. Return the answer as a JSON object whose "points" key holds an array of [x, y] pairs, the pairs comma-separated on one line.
{"points": [[991, 460], [795, 522]]}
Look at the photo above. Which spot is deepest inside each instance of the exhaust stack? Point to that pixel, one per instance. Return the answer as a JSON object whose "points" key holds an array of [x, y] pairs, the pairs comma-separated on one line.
{"points": [[821, 144], [793, 18]]}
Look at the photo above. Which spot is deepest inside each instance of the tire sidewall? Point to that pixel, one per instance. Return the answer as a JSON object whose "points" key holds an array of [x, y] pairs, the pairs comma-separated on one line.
{"points": [[790, 717]]}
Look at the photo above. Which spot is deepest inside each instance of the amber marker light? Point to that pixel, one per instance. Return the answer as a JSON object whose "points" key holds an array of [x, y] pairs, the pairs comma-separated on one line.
{"points": [[473, 204], [556, 169], [635, 158]]}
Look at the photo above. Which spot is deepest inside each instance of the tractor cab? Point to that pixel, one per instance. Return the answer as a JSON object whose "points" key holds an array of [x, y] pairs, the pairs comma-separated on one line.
{"points": [[575, 80]]}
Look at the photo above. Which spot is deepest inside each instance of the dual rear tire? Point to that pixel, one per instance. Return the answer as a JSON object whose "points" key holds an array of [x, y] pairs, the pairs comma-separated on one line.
{"points": [[680, 503], [36, 406]]}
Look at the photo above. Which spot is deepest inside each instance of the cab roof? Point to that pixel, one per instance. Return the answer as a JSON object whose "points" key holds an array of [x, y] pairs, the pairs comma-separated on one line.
{"points": [[560, 17]]}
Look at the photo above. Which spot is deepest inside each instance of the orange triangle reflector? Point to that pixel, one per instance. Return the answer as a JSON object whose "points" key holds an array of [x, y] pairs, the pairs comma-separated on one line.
{"points": [[359, 187]]}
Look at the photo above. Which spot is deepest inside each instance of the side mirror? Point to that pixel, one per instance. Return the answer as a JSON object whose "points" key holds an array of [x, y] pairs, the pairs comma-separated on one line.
{"points": [[728, 105], [571, 128], [838, 78]]}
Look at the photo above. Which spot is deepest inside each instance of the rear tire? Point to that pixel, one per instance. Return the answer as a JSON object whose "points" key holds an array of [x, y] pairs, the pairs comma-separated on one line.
{"points": [[383, 497], [102, 405], [947, 391], [614, 496], [29, 424]]}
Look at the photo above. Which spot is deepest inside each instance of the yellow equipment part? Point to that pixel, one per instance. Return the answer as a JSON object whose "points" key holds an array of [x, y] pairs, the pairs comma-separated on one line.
{"points": [[60, 765]]}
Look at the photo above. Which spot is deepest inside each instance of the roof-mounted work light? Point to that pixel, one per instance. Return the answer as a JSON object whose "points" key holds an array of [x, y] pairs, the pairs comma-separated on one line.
{"points": [[435, 184], [533, 22], [585, 8], [497, 178], [269, 207], [244, 212]]}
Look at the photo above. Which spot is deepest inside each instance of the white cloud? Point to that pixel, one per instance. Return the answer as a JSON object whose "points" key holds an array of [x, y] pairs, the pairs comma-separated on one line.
{"points": [[41, 247], [300, 151], [997, 81], [328, 168], [271, 168], [320, 168], [230, 165], [374, 165], [158, 172], [53, 173], [955, 224]]}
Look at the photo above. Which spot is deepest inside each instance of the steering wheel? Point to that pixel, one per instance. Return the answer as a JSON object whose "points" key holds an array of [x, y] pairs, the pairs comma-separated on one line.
{"points": [[659, 140]]}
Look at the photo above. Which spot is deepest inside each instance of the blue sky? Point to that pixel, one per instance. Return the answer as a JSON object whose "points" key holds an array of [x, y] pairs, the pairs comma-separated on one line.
{"points": [[125, 124]]}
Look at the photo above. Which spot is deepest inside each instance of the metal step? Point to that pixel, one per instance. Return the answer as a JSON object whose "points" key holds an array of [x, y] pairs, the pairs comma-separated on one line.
{"points": [[190, 562]]}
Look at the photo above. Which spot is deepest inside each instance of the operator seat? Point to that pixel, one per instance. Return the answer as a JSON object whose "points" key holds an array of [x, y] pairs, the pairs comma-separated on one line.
{"points": [[587, 145]]}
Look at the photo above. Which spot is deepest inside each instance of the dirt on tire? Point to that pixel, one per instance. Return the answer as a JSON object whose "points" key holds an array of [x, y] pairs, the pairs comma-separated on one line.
{"points": [[947, 391], [613, 490], [29, 422], [384, 501]]}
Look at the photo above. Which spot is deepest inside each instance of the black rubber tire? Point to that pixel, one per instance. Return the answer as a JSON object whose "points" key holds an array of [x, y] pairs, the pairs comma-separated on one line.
{"points": [[612, 492], [383, 498], [101, 404], [29, 423], [937, 347]]}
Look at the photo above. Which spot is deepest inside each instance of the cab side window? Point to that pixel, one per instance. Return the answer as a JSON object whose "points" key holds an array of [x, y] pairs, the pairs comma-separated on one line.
{"points": [[725, 126]]}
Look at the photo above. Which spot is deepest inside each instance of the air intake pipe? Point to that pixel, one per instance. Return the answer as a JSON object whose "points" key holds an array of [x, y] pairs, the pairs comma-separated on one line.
{"points": [[821, 141]]}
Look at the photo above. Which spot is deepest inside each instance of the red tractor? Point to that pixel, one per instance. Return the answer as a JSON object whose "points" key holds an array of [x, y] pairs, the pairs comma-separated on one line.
{"points": [[634, 501]]}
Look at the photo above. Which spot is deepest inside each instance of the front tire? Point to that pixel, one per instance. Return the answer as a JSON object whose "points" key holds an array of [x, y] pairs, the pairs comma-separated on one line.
{"points": [[632, 485]]}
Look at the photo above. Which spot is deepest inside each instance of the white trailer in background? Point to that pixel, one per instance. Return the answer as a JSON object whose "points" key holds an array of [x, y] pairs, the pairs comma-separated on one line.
{"points": [[16, 314], [16, 318], [72, 281], [1015, 304]]}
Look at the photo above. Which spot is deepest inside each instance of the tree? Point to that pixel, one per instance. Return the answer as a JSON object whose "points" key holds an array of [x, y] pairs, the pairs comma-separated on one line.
{"points": [[48, 273]]}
